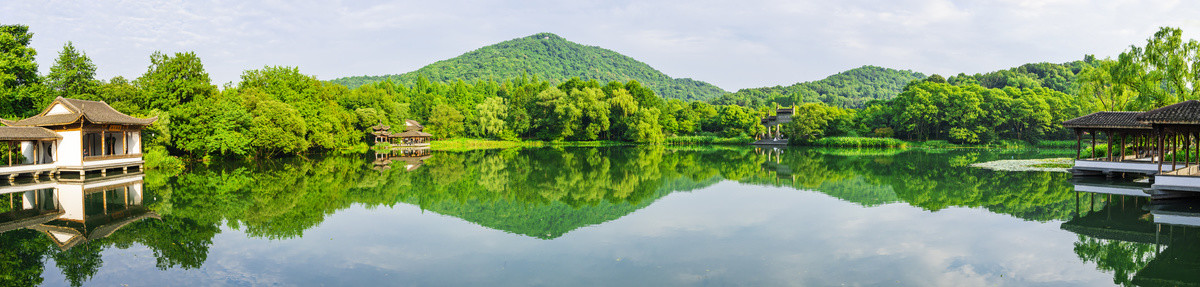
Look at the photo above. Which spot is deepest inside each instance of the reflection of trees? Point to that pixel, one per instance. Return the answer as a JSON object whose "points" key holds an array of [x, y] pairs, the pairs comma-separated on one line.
{"points": [[1124, 259], [21, 257], [543, 193], [932, 180]]}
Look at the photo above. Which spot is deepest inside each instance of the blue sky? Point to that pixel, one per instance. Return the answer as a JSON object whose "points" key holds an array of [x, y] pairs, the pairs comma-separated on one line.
{"points": [[733, 44]]}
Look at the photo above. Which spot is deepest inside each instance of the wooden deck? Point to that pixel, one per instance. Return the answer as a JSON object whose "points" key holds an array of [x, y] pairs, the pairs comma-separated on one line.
{"points": [[1102, 166]]}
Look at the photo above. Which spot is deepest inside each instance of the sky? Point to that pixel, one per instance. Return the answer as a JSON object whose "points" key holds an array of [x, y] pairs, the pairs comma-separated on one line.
{"points": [[732, 44]]}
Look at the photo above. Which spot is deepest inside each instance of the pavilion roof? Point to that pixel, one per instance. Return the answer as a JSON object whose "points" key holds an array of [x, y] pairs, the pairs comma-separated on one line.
{"points": [[411, 134], [413, 125], [1186, 112], [97, 112], [27, 133], [1107, 120]]}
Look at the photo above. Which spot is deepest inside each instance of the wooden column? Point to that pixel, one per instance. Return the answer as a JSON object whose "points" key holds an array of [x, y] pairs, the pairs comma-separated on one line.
{"points": [[1108, 151], [1123, 147], [1174, 148], [124, 142], [1158, 145], [9, 150], [1093, 144], [1078, 144]]}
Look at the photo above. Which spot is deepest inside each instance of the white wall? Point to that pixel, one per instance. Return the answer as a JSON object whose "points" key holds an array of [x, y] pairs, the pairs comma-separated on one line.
{"points": [[58, 109], [70, 196], [28, 150], [70, 149], [135, 142]]}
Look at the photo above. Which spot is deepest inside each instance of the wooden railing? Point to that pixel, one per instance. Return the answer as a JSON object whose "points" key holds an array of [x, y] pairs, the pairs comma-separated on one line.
{"points": [[114, 156]]}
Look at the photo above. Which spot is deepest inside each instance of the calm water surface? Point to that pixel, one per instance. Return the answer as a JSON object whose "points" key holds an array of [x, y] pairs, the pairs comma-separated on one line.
{"points": [[621, 216]]}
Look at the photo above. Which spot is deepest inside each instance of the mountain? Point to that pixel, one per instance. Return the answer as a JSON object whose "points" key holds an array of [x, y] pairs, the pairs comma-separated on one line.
{"points": [[851, 89], [1058, 77], [549, 57]]}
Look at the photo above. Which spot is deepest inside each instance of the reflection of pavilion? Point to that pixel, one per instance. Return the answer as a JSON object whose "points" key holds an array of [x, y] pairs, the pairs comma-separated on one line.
{"points": [[412, 157], [73, 212], [1171, 229], [1110, 186]]}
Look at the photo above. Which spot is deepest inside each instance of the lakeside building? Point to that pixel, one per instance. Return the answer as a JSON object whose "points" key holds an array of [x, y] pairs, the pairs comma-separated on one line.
{"points": [[75, 136], [1162, 143], [774, 134], [412, 136]]}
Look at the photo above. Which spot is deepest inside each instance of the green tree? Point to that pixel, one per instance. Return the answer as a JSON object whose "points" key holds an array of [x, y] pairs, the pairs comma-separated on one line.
{"points": [[73, 74], [20, 92], [173, 81], [492, 112], [446, 122]]}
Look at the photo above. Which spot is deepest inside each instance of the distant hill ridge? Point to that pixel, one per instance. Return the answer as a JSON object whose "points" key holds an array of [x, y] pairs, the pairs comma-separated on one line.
{"points": [[850, 89], [552, 58]]}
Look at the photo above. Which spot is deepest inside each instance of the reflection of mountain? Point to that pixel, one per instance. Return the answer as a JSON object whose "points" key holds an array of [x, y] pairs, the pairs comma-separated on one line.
{"points": [[1142, 244], [554, 219], [541, 193]]}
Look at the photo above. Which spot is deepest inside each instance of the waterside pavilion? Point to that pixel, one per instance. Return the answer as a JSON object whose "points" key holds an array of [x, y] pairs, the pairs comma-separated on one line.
{"points": [[1120, 129], [74, 136], [1177, 131], [412, 136]]}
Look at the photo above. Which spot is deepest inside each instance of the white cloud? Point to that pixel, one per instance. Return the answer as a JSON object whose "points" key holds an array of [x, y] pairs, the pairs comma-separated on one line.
{"points": [[734, 44]]}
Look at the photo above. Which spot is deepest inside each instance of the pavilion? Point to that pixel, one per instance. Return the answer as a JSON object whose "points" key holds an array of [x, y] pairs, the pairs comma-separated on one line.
{"points": [[74, 136]]}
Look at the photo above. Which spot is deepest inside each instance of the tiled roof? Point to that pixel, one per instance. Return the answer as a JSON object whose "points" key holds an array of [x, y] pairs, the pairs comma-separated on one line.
{"points": [[412, 133], [93, 111], [1187, 112], [413, 125], [1107, 120], [27, 133]]}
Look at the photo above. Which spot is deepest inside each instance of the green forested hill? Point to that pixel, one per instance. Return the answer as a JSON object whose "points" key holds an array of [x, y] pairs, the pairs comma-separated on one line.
{"points": [[850, 89], [552, 58]]}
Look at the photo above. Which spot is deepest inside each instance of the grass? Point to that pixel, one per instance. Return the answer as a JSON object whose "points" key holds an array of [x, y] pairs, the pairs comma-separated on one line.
{"points": [[1052, 165], [1056, 144], [859, 142], [687, 140], [462, 144]]}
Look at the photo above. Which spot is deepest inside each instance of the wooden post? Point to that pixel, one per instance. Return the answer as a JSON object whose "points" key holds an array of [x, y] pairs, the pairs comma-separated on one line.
{"points": [[9, 150], [103, 144], [1158, 145], [1174, 148], [1093, 144], [1108, 151], [1078, 144], [1187, 151], [1123, 147]]}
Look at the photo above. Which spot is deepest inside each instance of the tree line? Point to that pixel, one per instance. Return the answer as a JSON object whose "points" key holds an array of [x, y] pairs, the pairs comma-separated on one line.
{"points": [[279, 110]]}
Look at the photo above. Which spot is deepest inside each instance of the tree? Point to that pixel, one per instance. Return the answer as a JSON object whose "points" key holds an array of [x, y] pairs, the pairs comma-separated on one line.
{"points": [[445, 122], [20, 92], [172, 81], [17, 65], [276, 127], [73, 74], [492, 112], [216, 125]]}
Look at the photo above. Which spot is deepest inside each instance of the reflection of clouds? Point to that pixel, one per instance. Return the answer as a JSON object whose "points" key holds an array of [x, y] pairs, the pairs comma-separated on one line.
{"points": [[726, 234]]}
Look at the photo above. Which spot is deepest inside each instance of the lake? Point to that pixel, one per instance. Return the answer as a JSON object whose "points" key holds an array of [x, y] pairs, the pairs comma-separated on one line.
{"points": [[610, 216]]}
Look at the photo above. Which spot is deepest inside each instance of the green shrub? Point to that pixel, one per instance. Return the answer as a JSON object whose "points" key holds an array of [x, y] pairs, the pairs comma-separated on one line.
{"points": [[1056, 144], [859, 142], [156, 157], [705, 139]]}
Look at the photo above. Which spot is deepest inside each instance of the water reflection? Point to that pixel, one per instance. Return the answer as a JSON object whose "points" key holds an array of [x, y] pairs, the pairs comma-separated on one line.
{"points": [[1142, 242], [70, 213], [540, 195]]}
